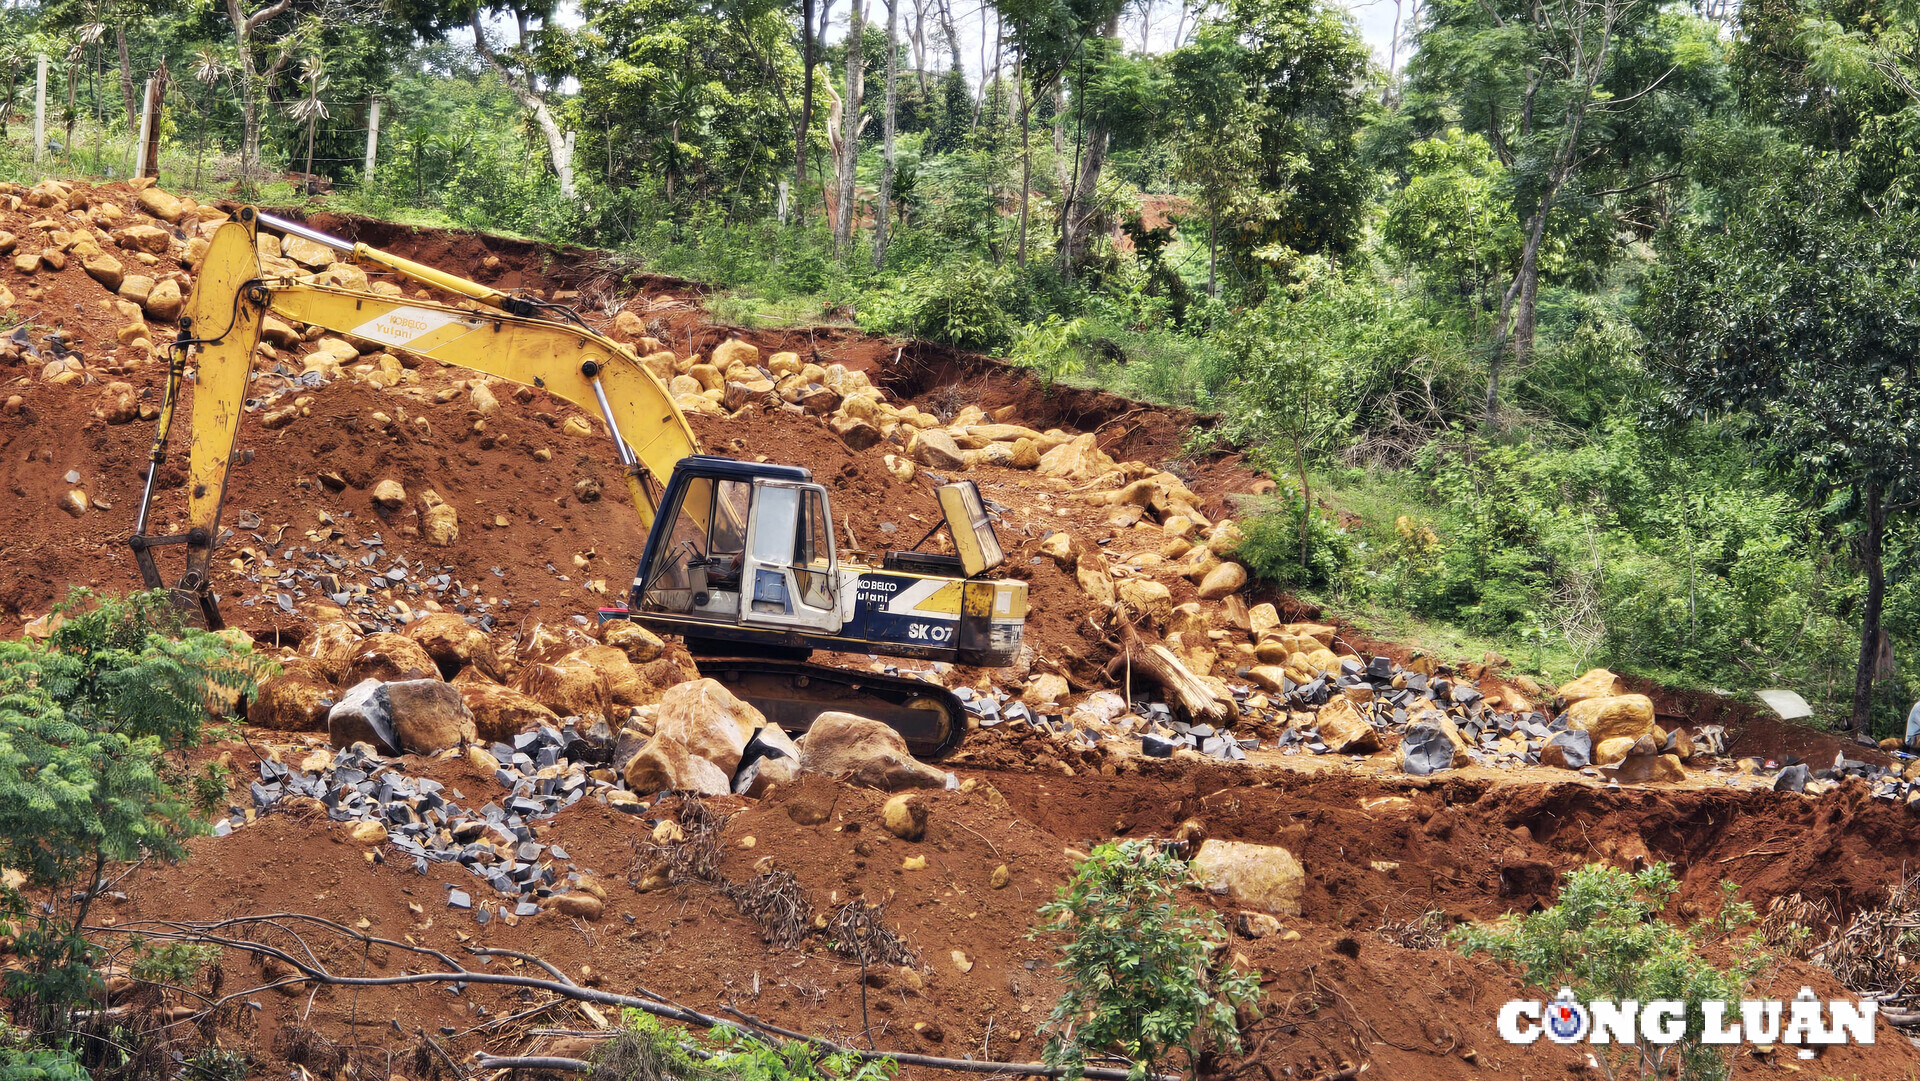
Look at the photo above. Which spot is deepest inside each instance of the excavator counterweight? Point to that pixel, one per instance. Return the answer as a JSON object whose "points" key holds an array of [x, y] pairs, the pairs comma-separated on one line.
{"points": [[739, 556]]}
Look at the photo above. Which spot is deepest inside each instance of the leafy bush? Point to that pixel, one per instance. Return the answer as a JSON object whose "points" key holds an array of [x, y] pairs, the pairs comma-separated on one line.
{"points": [[1144, 975], [1052, 348], [85, 719], [1295, 545], [965, 304], [648, 1050], [1605, 939]]}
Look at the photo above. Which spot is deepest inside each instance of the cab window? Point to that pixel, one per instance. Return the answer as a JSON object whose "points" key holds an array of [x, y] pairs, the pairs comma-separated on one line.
{"points": [[813, 553]]}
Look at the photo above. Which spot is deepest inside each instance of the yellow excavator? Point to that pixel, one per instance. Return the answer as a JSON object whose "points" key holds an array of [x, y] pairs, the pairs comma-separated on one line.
{"points": [[739, 557]]}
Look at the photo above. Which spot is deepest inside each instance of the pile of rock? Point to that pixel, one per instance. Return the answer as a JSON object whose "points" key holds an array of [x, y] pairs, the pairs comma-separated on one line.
{"points": [[1899, 783], [1438, 721], [508, 685], [704, 742], [382, 805]]}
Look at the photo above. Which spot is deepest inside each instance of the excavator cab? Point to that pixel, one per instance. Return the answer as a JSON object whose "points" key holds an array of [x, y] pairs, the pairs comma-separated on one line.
{"points": [[743, 552], [744, 544]]}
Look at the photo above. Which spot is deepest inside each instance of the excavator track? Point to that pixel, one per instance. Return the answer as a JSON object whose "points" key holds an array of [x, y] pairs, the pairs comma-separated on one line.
{"points": [[791, 693]]}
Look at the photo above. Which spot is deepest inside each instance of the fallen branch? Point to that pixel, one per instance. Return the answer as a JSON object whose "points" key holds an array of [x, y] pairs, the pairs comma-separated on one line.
{"points": [[533, 1062], [457, 974], [1183, 687]]}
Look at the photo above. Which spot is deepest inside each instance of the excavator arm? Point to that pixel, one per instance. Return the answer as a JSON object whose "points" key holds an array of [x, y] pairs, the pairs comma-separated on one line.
{"points": [[220, 333]]}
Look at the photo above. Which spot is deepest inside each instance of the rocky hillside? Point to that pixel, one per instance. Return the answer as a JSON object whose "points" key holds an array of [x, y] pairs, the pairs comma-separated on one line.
{"points": [[456, 754]]}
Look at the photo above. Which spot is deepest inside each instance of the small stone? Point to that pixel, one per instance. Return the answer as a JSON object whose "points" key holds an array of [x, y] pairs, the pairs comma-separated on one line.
{"points": [[935, 449], [1000, 877], [1256, 925], [164, 302], [857, 434], [439, 522], [368, 833], [144, 238], [1571, 749], [119, 404], [1263, 876], [75, 502], [105, 269], [1045, 690], [389, 494], [1426, 749], [914, 863], [577, 426], [1792, 779], [905, 816], [961, 961], [1223, 580], [579, 905], [160, 204]]}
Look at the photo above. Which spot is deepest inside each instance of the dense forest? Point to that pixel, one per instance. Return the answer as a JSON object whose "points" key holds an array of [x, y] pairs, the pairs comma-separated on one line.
{"points": [[1579, 330]]}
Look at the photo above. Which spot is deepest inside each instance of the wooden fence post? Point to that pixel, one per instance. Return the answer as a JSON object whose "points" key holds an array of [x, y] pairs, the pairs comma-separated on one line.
{"points": [[150, 123]]}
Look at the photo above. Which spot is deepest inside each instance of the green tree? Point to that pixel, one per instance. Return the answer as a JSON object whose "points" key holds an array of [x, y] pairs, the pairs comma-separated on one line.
{"points": [[1562, 91], [85, 720], [1305, 71], [1799, 321], [697, 97], [1454, 217], [1141, 970], [541, 55], [1215, 127], [1604, 938]]}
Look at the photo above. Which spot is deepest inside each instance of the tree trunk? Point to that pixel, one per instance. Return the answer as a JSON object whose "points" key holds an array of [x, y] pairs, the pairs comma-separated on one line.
{"points": [[126, 79], [1213, 250], [1156, 663], [1060, 162], [883, 209], [1869, 548], [1566, 159], [850, 131], [6, 106], [920, 46], [243, 27], [1026, 151], [806, 100], [1077, 211], [530, 100], [951, 33]]}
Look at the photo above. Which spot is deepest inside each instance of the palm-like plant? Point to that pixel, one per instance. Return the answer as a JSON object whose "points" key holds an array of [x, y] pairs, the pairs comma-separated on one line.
{"points": [[310, 109], [210, 69]]}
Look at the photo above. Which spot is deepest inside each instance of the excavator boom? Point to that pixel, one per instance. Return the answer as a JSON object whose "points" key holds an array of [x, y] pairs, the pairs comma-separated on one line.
{"points": [[220, 331]]}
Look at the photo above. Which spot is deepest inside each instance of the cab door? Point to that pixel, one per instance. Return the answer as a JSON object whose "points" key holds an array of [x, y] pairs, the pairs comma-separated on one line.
{"points": [[791, 577]]}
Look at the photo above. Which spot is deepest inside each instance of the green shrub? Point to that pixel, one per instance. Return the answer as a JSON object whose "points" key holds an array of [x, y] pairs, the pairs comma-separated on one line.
{"points": [[1144, 974], [1605, 939], [85, 719], [647, 1050], [1054, 348], [965, 304], [1276, 548]]}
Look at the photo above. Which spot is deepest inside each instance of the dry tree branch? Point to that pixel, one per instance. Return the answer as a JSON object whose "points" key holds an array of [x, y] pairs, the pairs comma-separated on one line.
{"points": [[214, 933]]}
